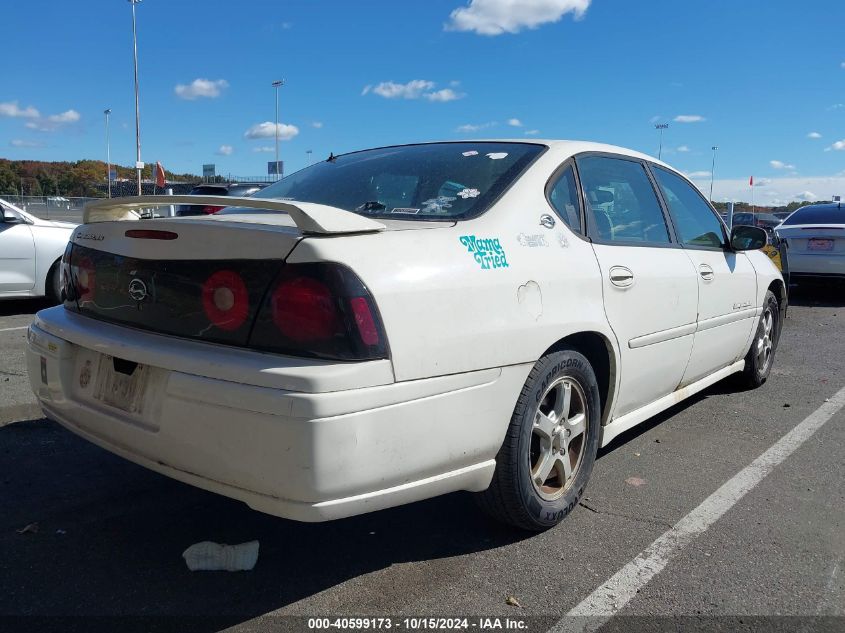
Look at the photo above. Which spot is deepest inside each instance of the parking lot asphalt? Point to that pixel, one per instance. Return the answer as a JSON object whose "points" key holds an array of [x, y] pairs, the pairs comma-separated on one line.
{"points": [[110, 534]]}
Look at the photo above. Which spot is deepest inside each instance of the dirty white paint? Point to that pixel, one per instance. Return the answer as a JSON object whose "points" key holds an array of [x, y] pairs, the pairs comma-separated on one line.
{"points": [[531, 299]]}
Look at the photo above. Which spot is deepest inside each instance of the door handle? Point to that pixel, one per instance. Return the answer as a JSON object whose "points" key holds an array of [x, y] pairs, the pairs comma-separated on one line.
{"points": [[706, 272], [621, 276]]}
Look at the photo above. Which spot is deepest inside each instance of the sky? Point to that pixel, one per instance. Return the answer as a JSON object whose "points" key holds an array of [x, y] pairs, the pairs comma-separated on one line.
{"points": [[763, 80]]}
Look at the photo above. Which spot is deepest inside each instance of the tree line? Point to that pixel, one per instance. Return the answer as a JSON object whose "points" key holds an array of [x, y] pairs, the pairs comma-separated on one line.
{"points": [[69, 179]]}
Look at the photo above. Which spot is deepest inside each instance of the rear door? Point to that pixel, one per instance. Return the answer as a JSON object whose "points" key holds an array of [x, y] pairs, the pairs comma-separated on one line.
{"points": [[727, 282], [17, 252], [649, 283]]}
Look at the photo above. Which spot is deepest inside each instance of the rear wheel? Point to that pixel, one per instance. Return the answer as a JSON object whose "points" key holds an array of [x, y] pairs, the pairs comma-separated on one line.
{"points": [[548, 453], [53, 287], [761, 355]]}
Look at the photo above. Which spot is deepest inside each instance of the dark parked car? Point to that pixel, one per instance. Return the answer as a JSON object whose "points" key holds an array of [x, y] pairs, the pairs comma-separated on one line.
{"points": [[231, 189]]}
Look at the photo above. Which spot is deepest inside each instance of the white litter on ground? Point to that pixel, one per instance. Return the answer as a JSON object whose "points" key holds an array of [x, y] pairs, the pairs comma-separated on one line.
{"points": [[208, 556]]}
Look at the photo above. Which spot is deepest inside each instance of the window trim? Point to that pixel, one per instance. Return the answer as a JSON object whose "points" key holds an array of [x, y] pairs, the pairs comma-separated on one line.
{"points": [[557, 174], [652, 167], [589, 222]]}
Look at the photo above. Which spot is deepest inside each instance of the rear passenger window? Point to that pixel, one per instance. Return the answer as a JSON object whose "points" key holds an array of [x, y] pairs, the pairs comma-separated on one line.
{"points": [[563, 196], [695, 221], [621, 203]]}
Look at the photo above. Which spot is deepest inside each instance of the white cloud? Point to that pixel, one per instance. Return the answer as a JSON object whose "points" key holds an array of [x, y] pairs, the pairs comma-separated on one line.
{"points": [[263, 149], [210, 88], [69, 116], [494, 17], [20, 143], [837, 106], [814, 135], [11, 109], [446, 94], [838, 146], [806, 195], [842, 65], [414, 89], [515, 122], [776, 164], [225, 150], [698, 174], [469, 127], [317, 124], [268, 130], [683, 148], [689, 118], [532, 132], [762, 182]]}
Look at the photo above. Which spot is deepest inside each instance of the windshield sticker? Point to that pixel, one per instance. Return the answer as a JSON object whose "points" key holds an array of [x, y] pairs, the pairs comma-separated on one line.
{"points": [[407, 210], [471, 152], [531, 241], [488, 252], [438, 204], [496, 155], [469, 193]]}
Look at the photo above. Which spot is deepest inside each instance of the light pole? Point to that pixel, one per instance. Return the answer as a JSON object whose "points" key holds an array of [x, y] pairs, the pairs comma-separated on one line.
{"points": [[138, 164], [277, 84], [713, 171], [660, 127], [107, 112], [308, 153]]}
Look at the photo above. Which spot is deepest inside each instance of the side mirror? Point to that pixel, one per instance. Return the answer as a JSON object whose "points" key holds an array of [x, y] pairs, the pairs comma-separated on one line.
{"points": [[748, 238]]}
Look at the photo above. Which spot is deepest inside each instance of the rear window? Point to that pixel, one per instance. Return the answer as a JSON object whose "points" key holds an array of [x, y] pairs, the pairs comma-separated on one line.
{"points": [[817, 215], [430, 181], [208, 191], [243, 190]]}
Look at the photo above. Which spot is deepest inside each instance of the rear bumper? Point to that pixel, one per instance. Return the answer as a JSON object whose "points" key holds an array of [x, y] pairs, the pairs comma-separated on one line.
{"points": [[816, 264], [299, 455]]}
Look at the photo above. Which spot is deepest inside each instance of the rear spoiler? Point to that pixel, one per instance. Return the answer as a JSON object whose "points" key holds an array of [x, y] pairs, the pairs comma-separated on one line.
{"points": [[308, 216]]}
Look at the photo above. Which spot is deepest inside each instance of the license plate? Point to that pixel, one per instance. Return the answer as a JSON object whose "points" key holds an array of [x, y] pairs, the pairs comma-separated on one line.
{"points": [[816, 244], [120, 390]]}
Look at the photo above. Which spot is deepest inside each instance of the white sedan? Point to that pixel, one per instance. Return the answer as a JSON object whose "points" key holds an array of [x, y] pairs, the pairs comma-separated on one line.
{"points": [[403, 322], [815, 238], [30, 253]]}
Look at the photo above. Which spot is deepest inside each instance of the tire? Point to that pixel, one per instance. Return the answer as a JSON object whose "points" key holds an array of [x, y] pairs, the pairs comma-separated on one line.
{"points": [[536, 440], [761, 355], [52, 287]]}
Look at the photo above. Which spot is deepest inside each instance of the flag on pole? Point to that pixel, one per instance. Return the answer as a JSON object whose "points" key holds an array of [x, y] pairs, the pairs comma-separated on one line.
{"points": [[751, 181], [161, 180]]}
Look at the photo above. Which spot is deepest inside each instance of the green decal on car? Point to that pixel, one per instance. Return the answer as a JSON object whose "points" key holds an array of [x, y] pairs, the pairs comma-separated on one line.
{"points": [[488, 252]]}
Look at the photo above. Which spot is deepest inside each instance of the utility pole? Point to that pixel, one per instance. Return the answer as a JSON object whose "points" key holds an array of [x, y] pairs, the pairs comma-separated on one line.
{"points": [[713, 171], [139, 166], [308, 153], [660, 127], [277, 84], [107, 112]]}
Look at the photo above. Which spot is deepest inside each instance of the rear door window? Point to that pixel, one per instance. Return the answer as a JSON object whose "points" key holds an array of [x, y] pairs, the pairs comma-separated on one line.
{"points": [[563, 196], [621, 204]]}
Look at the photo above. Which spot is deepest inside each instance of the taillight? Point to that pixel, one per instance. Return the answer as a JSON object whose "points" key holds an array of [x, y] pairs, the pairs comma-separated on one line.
{"points": [[225, 300], [304, 310], [209, 209], [82, 274], [320, 310]]}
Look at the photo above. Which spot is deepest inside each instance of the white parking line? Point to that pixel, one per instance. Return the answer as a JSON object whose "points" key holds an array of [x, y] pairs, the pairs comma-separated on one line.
{"points": [[12, 329], [597, 608]]}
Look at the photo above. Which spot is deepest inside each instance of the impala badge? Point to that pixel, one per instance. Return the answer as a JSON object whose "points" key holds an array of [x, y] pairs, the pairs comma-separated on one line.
{"points": [[137, 290]]}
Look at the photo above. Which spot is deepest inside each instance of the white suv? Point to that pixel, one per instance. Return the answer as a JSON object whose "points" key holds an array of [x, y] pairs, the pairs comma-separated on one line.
{"points": [[398, 323]]}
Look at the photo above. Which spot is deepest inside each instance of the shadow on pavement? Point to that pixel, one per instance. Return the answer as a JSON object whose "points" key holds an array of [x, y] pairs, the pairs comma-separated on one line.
{"points": [[111, 535], [14, 307], [819, 294]]}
